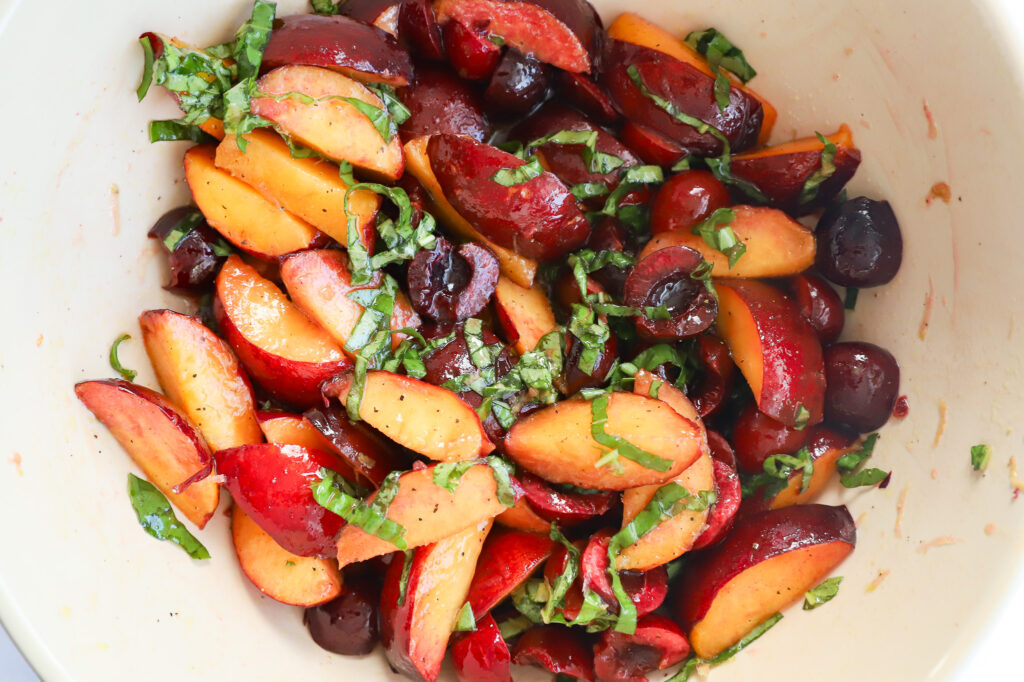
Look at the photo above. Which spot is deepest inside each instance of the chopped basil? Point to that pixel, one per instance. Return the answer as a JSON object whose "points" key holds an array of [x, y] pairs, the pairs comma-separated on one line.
{"points": [[703, 274], [630, 179], [448, 474], [718, 234], [510, 177], [619, 445], [824, 592], [682, 164], [324, 6], [597, 162], [588, 190], [502, 472], [401, 239], [378, 306], [864, 477], [849, 466], [803, 416], [497, 40], [465, 621], [720, 51], [251, 39], [157, 518], [568, 576], [176, 131], [128, 374], [181, 229], [850, 301], [586, 261], [828, 168], [403, 582], [289, 563], [691, 663], [980, 455], [663, 353], [777, 470], [337, 495], [398, 111], [148, 57], [513, 147], [378, 116], [515, 626], [592, 334]]}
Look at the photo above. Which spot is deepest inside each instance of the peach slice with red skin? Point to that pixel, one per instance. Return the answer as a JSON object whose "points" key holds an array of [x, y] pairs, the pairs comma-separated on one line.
{"points": [[282, 349], [563, 33], [276, 572], [415, 633], [427, 512], [776, 349], [199, 372], [777, 245], [632, 28], [283, 428], [537, 219], [329, 124], [441, 102], [766, 562], [555, 442], [509, 557], [522, 517], [319, 283], [517, 268], [362, 52], [160, 439], [241, 214], [308, 188], [427, 419], [524, 313], [482, 655]]}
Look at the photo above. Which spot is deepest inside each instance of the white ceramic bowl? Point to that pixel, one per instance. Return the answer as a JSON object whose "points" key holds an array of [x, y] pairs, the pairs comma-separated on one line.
{"points": [[89, 596]]}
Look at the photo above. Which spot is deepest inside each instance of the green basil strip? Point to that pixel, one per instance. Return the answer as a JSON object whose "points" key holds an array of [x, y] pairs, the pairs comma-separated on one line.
{"points": [[181, 229], [599, 412], [147, 67], [803, 417], [718, 234], [324, 6], [332, 492], [510, 177], [514, 626], [850, 300], [465, 621], [850, 461], [379, 117], [502, 471], [402, 241], [592, 333], [588, 190], [176, 131], [403, 583], [115, 362], [378, 307], [828, 168], [980, 455], [448, 474], [251, 39], [823, 593], [157, 518], [398, 111], [691, 663], [720, 51], [568, 576], [864, 477], [597, 162]]}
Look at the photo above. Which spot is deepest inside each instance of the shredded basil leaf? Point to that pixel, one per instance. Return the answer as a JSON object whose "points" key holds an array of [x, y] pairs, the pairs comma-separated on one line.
{"points": [[378, 116], [448, 474], [324, 6], [828, 168], [718, 234], [597, 162], [803, 417], [401, 239], [515, 626], [127, 374], [980, 455], [176, 131], [849, 466], [157, 518], [403, 582], [148, 58], [599, 412], [181, 229], [465, 621], [337, 495], [777, 469], [751, 637], [824, 592], [592, 334], [568, 576], [719, 51], [588, 190], [510, 177], [864, 477], [850, 301], [398, 111]]}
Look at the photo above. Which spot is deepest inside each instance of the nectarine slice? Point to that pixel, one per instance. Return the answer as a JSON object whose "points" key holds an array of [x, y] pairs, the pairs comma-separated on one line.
{"points": [[766, 562], [776, 349], [427, 419], [276, 572], [309, 188], [199, 372], [517, 268], [329, 125], [427, 511], [522, 517], [509, 557], [240, 213], [282, 349], [415, 633], [556, 442], [161, 440], [777, 245], [284, 428], [524, 313], [319, 282], [632, 28]]}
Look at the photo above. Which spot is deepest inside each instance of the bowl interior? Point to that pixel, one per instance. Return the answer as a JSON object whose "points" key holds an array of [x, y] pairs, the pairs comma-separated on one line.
{"points": [[931, 94]]}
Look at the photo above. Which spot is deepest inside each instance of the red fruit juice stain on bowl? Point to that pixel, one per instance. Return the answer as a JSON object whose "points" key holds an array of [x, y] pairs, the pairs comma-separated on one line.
{"points": [[902, 408]]}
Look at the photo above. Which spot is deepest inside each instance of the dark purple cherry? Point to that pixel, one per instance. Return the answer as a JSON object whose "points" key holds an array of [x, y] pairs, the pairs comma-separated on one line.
{"points": [[518, 84], [348, 623], [451, 283], [859, 243], [862, 382], [820, 304], [664, 279], [573, 377], [195, 251]]}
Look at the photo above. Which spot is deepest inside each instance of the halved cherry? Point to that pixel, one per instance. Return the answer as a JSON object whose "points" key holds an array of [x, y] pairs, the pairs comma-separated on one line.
{"points": [[657, 644], [719, 370], [418, 27], [720, 448], [561, 505], [820, 304], [368, 452], [652, 147], [664, 278], [647, 589], [451, 283], [518, 84], [472, 55], [586, 95], [481, 655], [561, 650], [723, 512], [687, 199]]}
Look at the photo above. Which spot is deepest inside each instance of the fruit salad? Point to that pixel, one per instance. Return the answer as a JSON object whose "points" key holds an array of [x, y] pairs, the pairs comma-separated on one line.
{"points": [[509, 336]]}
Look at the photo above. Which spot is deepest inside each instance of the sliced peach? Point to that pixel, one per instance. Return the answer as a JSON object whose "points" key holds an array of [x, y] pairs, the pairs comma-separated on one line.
{"points": [[517, 268], [524, 313], [329, 125], [280, 347], [766, 562], [673, 537], [276, 572], [309, 188], [522, 517], [428, 512], [776, 349], [160, 439], [319, 283], [415, 633], [427, 419], [199, 372], [632, 28], [777, 245], [240, 213], [556, 442]]}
